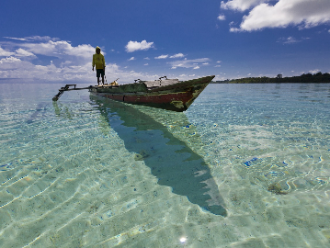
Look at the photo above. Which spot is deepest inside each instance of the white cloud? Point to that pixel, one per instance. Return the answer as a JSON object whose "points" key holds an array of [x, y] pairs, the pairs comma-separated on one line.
{"points": [[289, 40], [59, 49], [178, 55], [23, 53], [147, 58], [14, 38], [217, 66], [33, 38], [162, 57], [221, 18], [72, 63], [196, 67], [12, 67], [218, 61], [15, 68], [146, 64], [12, 63], [22, 59], [234, 30], [305, 13], [133, 46], [5, 53], [193, 63], [130, 59], [240, 5], [314, 71]]}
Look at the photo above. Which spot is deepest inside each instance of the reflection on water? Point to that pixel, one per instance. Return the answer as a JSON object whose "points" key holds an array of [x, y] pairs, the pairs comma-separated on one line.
{"points": [[40, 110], [59, 112], [170, 159]]}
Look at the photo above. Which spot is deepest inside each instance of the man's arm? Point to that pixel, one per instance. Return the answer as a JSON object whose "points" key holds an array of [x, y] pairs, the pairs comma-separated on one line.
{"points": [[103, 64]]}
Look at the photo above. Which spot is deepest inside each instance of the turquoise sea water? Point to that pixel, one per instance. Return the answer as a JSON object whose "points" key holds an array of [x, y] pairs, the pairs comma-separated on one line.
{"points": [[245, 166]]}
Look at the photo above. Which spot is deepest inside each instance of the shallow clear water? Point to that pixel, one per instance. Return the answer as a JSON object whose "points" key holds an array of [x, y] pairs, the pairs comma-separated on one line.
{"points": [[245, 166]]}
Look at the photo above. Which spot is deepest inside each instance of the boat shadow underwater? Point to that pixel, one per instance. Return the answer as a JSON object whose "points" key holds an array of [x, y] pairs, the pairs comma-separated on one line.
{"points": [[170, 159]]}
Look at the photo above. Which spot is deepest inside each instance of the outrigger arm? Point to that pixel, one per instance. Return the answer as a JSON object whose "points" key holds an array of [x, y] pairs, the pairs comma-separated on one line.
{"points": [[67, 88]]}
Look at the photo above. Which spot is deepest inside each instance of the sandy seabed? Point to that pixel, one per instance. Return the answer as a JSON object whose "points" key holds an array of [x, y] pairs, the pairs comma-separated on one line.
{"points": [[80, 174]]}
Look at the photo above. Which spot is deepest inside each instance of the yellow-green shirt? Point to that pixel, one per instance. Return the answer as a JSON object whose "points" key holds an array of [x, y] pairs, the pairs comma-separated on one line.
{"points": [[98, 61]]}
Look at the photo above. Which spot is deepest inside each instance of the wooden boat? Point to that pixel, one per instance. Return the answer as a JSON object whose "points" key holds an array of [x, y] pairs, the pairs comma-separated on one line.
{"points": [[170, 94]]}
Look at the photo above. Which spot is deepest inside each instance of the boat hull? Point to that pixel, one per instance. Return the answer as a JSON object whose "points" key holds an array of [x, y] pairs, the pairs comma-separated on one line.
{"points": [[176, 97]]}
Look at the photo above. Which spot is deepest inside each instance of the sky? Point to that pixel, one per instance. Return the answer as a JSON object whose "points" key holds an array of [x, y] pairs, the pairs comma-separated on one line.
{"points": [[55, 40]]}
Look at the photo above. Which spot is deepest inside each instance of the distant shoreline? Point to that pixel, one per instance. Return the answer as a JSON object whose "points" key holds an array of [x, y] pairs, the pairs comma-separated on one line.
{"points": [[304, 78], [227, 82]]}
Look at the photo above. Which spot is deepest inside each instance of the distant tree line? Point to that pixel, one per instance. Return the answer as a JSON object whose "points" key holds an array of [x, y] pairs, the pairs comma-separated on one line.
{"points": [[304, 78]]}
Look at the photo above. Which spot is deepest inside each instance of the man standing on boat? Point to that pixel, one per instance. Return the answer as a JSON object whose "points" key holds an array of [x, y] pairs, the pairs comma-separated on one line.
{"points": [[99, 63]]}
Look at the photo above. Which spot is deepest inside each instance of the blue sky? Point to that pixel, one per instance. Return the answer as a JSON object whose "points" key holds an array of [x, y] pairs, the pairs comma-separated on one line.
{"points": [[55, 40]]}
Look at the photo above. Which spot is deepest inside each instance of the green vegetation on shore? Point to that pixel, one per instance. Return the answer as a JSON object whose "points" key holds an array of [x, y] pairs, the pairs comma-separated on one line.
{"points": [[304, 78]]}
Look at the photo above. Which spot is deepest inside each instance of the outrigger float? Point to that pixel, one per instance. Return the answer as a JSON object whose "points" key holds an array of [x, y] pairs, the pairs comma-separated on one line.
{"points": [[170, 94]]}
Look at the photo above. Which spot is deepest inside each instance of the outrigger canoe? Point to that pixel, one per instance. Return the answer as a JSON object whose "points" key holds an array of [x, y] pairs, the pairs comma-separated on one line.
{"points": [[170, 94]]}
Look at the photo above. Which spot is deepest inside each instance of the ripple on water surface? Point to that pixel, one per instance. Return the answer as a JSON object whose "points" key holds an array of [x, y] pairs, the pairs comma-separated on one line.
{"points": [[245, 166]]}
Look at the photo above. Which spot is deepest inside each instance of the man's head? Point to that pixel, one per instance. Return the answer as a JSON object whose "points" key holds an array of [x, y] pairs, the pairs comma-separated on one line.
{"points": [[98, 50]]}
